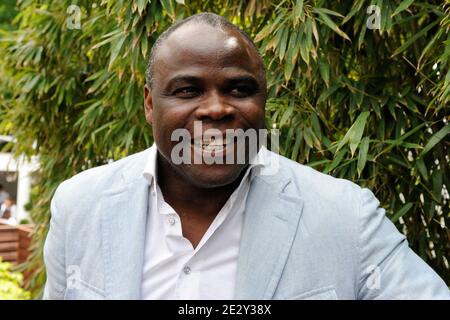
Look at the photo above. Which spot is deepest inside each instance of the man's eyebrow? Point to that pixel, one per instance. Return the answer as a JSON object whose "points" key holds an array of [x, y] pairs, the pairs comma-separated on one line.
{"points": [[182, 78], [246, 78], [193, 79]]}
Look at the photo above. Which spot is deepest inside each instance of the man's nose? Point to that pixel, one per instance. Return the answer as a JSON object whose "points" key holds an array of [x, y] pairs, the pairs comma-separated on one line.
{"points": [[214, 107]]}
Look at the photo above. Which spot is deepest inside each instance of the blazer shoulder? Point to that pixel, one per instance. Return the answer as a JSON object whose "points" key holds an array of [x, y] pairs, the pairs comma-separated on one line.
{"points": [[328, 203], [95, 180], [307, 180]]}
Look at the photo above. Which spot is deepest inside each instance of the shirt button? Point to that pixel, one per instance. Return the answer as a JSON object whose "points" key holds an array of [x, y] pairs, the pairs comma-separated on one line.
{"points": [[187, 270], [171, 220]]}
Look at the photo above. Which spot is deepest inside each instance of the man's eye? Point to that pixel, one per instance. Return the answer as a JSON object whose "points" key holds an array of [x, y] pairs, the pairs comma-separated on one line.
{"points": [[187, 92], [242, 91]]}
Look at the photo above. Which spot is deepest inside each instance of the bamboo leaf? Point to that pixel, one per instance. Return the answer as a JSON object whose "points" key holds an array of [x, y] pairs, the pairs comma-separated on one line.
{"points": [[308, 135], [298, 12], [362, 157], [115, 49], [283, 43], [435, 139], [141, 4], [354, 134], [296, 148], [287, 115], [336, 161], [420, 165], [330, 23], [402, 6], [400, 213], [414, 38], [324, 69], [358, 130], [144, 46], [328, 92]]}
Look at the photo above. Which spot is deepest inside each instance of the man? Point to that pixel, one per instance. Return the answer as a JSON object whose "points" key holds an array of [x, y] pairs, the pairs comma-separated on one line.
{"points": [[151, 227], [8, 212]]}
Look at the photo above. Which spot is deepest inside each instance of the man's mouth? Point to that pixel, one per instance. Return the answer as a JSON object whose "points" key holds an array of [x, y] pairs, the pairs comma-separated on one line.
{"points": [[210, 144], [213, 144]]}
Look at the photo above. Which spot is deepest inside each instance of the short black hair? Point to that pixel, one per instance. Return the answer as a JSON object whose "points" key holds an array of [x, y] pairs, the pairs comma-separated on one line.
{"points": [[211, 19]]}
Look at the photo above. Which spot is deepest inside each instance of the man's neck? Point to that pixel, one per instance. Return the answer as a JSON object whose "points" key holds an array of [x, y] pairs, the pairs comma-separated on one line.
{"points": [[187, 198], [196, 206]]}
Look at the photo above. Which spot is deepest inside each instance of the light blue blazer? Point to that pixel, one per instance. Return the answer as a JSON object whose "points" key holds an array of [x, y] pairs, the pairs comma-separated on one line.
{"points": [[306, 235]]}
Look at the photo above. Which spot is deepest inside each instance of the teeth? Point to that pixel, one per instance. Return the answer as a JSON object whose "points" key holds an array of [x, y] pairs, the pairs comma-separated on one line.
{"points": [[213, 143], [213, 148], [207, 141]]}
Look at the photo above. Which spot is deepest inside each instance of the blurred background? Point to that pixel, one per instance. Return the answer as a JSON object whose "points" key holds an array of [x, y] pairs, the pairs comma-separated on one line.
{"points": [[359, 89]]}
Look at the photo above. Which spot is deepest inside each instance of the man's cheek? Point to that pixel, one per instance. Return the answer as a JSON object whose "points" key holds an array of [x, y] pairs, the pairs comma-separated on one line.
{"points": [[165, 135]]}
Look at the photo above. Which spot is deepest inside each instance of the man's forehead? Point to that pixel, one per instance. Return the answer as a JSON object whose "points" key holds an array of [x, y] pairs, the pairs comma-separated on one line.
{"points": [[199, 43]]}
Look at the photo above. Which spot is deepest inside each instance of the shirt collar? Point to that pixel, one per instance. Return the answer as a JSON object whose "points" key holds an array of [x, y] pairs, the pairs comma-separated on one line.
{"points": [[150, 169]]}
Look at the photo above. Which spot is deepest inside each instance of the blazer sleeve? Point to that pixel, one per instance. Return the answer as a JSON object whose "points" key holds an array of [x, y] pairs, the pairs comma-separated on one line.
{"points": [[389, 269], [54, 254]]}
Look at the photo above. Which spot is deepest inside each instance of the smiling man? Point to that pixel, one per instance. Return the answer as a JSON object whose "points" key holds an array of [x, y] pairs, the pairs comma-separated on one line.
{"points": [[152, 227]]}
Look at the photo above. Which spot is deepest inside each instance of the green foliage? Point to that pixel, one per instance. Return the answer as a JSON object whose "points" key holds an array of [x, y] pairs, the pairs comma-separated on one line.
{"points": [[369, 105], [10, 283], [7, 13]]}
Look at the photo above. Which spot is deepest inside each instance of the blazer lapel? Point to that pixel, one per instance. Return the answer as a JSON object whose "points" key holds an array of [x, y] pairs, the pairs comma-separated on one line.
{"points": [[124, 213], [270, 225]]}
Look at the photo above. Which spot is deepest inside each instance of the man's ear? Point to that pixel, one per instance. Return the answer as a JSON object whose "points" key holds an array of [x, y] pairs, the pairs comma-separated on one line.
{"points": [[148, 104]]}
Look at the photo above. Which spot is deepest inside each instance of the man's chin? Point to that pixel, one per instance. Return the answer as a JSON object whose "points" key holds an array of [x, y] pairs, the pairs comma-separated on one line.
{"points": [[212, 176]]}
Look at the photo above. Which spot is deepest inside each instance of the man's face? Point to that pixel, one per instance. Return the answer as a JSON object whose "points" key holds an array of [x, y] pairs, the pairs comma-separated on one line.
{"points": [[208, 75]]}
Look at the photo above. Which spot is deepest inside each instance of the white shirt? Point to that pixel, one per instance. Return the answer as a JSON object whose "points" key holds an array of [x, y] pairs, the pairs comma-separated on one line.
{"points": [[12, 210], [173, 269]]}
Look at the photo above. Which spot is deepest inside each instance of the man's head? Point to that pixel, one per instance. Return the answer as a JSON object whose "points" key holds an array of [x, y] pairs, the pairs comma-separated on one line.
{"points": [[210, 19], [204, 69], [10, 202]]}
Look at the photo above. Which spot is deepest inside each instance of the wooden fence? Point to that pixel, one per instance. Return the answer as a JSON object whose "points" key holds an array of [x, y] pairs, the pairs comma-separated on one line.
{"points": [[14, 242]]}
